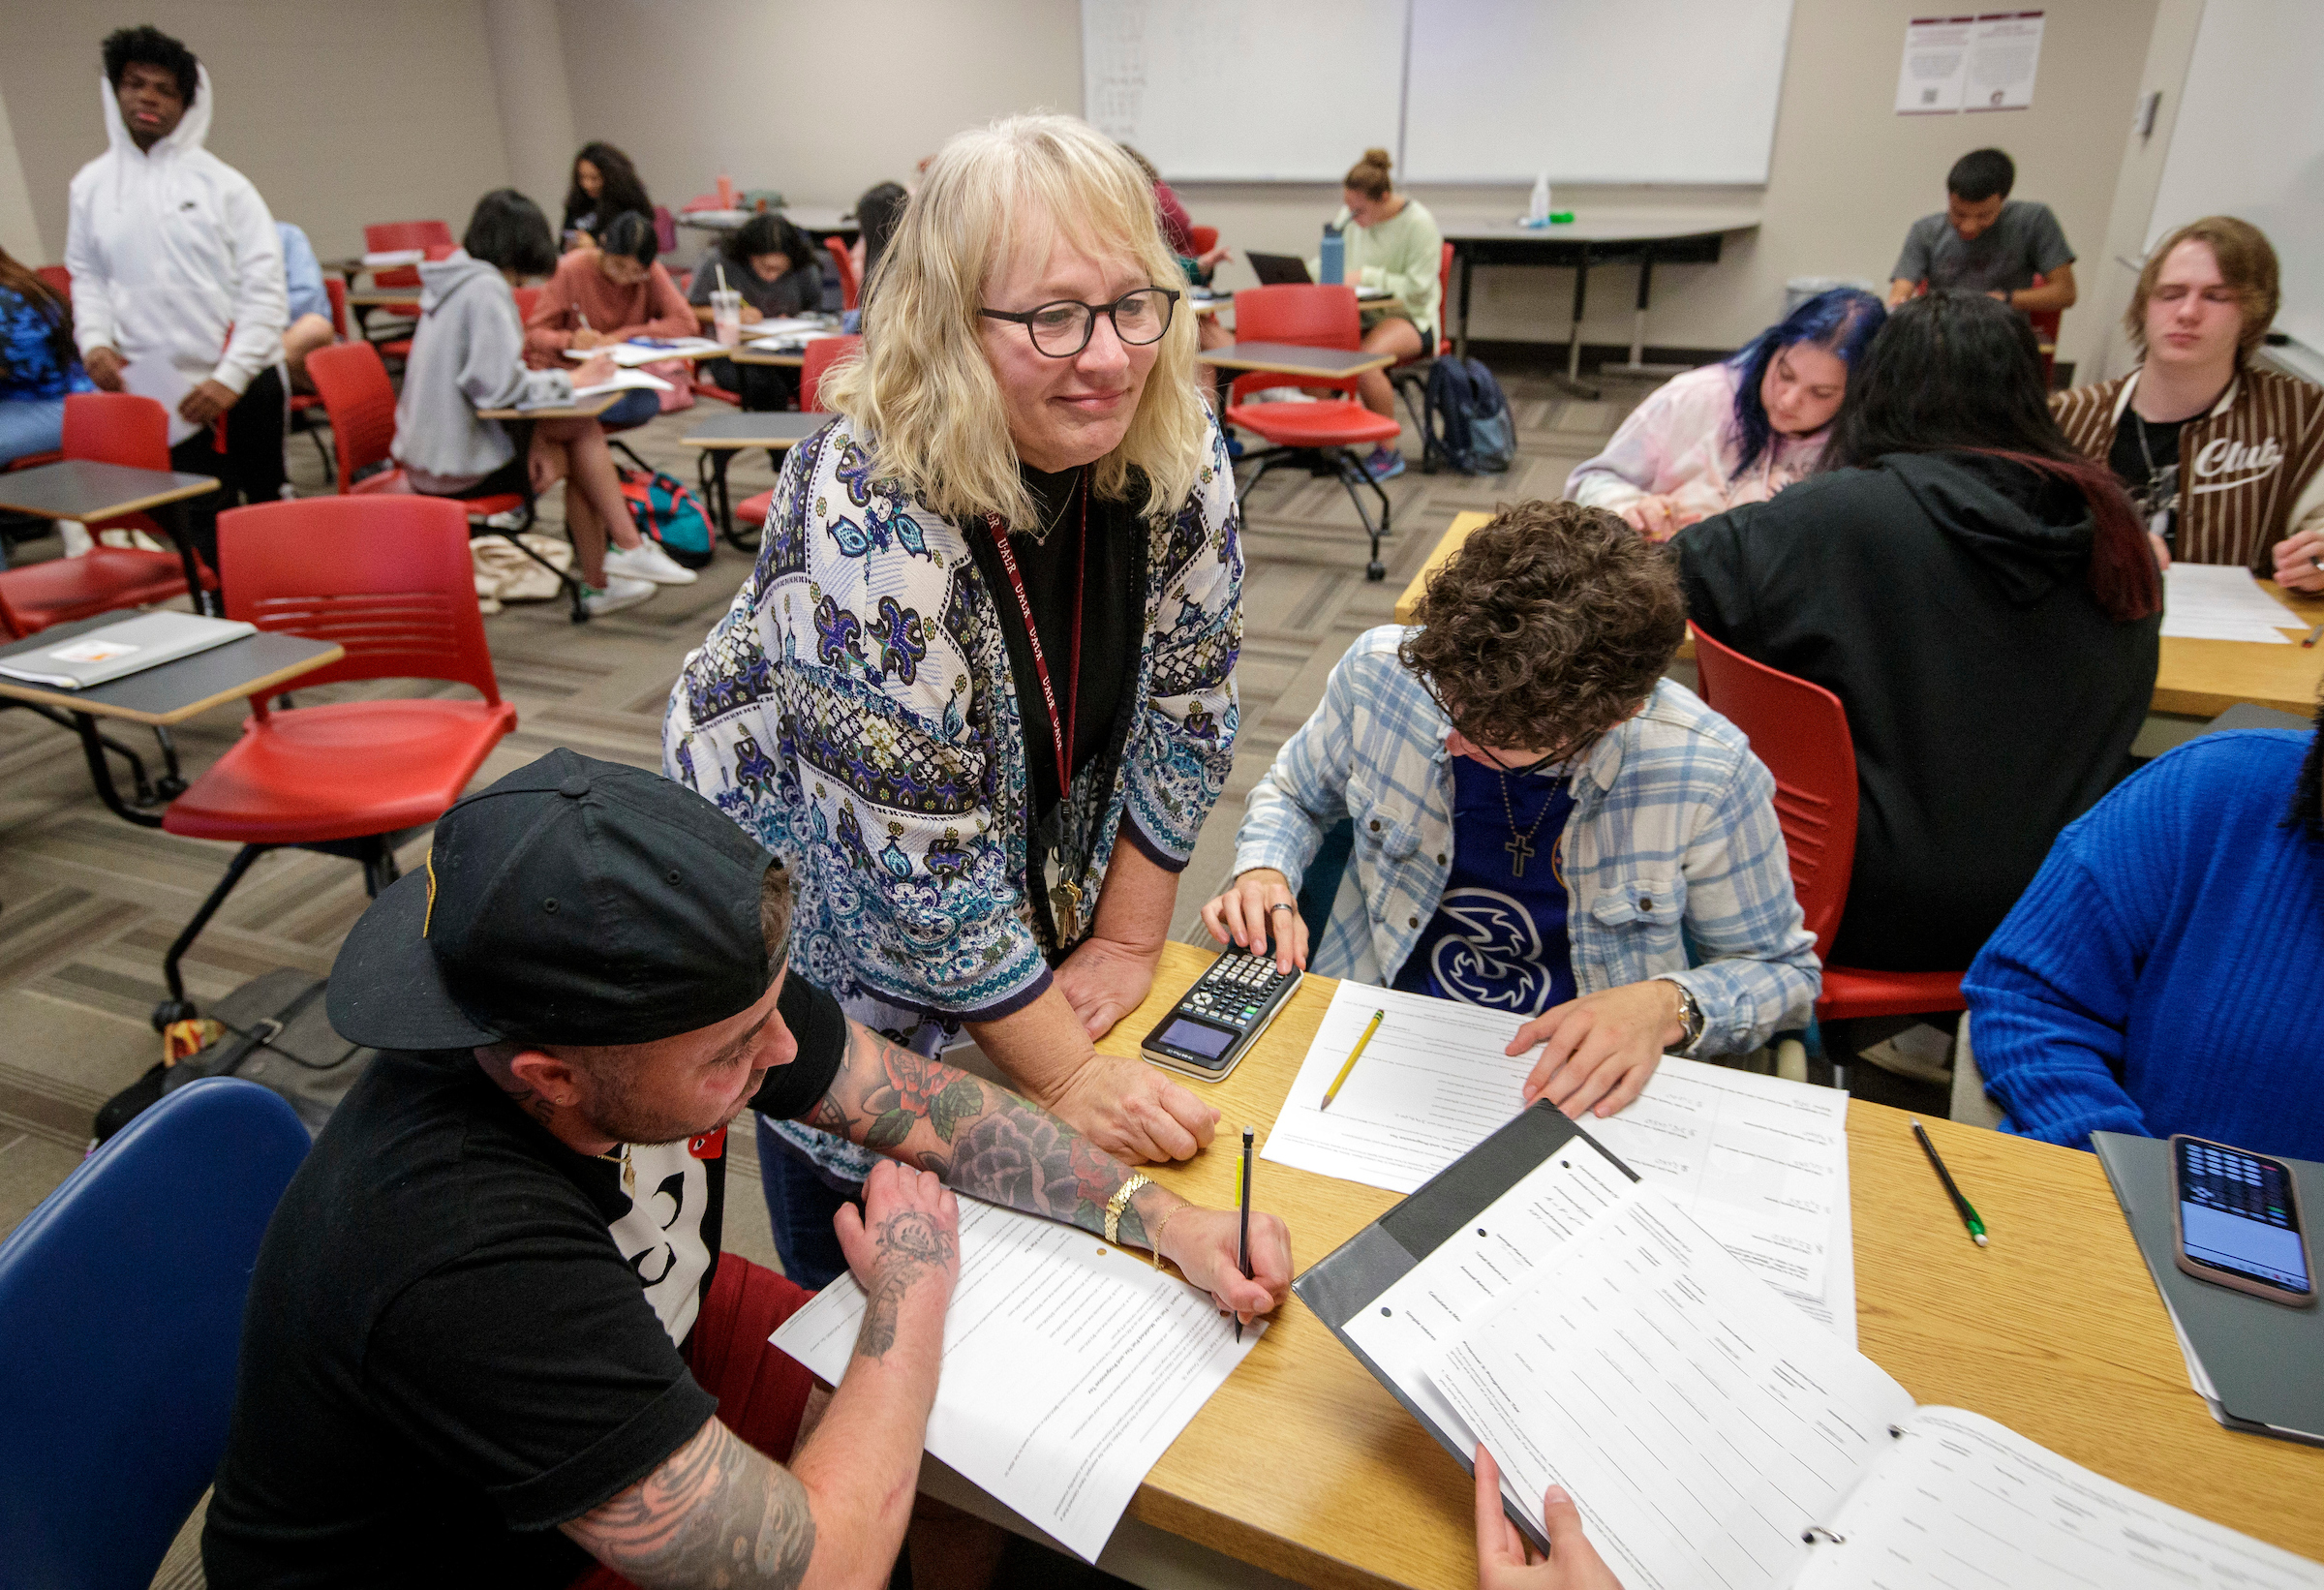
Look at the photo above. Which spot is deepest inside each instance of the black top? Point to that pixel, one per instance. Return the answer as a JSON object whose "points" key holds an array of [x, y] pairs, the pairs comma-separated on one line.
{"points": [[797, 291], [1113, 632], [2139, 443], [1942, 599], [462, 1334]]}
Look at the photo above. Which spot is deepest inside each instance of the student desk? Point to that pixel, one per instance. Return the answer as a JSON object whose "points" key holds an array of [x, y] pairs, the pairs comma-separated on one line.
{"points": [[2195, 678], [1291, 360], [818, 221], [1644, 238], [379, 298], [724, 436], [160, 697], [588, 407], [1304, 1466], [83, 489], [796, 359]]}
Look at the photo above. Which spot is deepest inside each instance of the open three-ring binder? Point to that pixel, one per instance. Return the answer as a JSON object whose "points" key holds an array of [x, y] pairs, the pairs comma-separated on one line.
{"points": [[1538, 1296]]}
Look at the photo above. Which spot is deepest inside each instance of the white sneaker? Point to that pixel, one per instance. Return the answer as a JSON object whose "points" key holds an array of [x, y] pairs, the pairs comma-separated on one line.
{"points": [[508, 519], [647, 562], [619, 592]]}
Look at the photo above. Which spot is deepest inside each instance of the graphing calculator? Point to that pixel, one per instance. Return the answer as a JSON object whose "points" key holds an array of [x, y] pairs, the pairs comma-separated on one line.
{"points": [[1216, 1023]]}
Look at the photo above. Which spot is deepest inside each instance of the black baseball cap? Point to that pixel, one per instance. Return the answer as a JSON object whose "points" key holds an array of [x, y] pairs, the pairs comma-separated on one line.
{"points": [[574, 901]]}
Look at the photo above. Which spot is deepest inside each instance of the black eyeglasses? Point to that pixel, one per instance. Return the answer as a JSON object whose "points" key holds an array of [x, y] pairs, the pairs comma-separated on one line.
{"points": [[1063, 330]]}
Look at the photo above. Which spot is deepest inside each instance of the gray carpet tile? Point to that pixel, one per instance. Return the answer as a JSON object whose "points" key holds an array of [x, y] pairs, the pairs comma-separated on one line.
{"points": [[88, 904]]}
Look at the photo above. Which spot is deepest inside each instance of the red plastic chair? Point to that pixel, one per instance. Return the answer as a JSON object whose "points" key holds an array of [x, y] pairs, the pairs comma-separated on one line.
{"points": [[436, 239], [106, 428], [1410, 375], [852, 291], [1206, 238], [59, 279], [1312, 436], [1800, 731], [308, 416], [389, 579], [387, 236]]}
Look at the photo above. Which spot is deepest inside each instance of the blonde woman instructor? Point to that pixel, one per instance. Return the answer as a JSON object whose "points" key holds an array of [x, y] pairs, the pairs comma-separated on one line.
{"points": [[1392, 244], [978, 693]]}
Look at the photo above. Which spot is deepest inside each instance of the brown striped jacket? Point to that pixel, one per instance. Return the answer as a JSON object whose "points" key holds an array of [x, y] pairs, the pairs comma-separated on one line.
{"points": [[2250, 471]]}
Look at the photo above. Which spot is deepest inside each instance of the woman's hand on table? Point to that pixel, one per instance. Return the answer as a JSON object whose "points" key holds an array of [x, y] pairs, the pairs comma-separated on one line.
{"points": [[1505, 1559], [1256, 905], [2296, 558], [1133, 1112], [1599, 1049], [1203, 1241], [1104, 979]]}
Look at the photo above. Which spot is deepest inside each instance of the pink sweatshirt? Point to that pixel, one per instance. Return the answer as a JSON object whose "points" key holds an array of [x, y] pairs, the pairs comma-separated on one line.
{"points": [[654, 308], [1680, 443]]}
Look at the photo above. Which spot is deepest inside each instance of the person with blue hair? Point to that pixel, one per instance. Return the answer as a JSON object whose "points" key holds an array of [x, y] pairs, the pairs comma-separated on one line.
{"points": [[1734, 431]]}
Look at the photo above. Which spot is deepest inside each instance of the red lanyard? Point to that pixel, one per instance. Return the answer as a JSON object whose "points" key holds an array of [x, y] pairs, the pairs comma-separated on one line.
{"points": [[1061, 732]]}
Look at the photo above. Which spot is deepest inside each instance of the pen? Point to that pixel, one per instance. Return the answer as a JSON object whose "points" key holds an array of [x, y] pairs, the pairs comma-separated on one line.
{"points": [[1968, 1210], [1242, 1241], [1332, 1092], [2313, 635]]}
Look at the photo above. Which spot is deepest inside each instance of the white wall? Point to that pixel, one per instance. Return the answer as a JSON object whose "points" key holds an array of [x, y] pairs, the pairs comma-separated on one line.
{"points": [[19, 225], [339, 113], [2110, 272]]}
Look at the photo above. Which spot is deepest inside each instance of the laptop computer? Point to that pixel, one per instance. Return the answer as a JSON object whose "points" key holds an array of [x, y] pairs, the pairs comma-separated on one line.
{"points": [[1280, 269]]}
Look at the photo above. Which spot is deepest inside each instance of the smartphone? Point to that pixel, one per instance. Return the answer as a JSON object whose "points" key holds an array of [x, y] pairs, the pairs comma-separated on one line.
{"points": [[1216, 1023], [2238, 1221]]}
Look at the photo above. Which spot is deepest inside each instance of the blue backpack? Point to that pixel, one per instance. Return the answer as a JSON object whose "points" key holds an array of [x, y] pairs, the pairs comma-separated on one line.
{"points": [[667, 511], [1469, 422]]}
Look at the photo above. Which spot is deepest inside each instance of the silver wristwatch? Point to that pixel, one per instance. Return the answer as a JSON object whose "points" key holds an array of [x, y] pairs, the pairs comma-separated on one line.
{"points": [[1690, 1014]]}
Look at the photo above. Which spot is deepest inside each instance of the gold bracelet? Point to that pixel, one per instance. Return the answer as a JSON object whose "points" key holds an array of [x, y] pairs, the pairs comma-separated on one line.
{"points": [[1154, 1236], [1121, 1201]]}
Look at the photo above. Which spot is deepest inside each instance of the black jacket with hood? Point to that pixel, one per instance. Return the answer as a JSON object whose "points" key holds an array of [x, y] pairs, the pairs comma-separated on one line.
{"points": [[1942, 599]]}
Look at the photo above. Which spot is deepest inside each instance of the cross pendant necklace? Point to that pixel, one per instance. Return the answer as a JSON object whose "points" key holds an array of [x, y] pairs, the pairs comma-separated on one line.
{"points": [[1521, 847]]}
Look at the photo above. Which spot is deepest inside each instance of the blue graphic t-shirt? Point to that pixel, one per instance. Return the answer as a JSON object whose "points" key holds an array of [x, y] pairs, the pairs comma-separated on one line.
{"points": [[1498, 937]]}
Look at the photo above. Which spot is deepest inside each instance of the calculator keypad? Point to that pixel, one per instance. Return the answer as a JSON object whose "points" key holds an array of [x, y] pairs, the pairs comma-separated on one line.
{"points": [[1237, 987]]}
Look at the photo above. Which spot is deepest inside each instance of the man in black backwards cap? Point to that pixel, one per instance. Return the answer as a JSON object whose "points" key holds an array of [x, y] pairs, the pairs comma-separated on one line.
{"points": [[491, 1333]]}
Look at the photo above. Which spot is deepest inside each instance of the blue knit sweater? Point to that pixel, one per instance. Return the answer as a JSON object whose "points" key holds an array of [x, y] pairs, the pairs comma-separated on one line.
{"points": [[2165, 971]]}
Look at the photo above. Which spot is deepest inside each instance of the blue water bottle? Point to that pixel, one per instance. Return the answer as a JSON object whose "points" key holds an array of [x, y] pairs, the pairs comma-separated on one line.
{"points": [[1332, 267]]}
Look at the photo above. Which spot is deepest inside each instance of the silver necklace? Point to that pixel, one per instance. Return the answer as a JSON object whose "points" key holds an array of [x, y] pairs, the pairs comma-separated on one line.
{"points": [[1520, 846]]}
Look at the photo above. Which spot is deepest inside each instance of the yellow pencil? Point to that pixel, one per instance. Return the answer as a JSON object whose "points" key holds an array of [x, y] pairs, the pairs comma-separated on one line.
{"points": [[1373, 1026]]}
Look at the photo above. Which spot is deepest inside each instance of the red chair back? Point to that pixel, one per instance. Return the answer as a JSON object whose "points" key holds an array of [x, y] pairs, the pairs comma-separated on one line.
{"points": [[1800, 731], [852, 291], [527, 299], [117, 428], [353, 383], [386, 237], [1206, 238], [1305, 315], [821, 354], [388, 578], [334, 288], [59, 280]]}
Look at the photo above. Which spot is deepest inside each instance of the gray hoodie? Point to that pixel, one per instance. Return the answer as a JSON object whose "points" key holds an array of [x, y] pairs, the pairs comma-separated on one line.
{"points": [[467, 353]]}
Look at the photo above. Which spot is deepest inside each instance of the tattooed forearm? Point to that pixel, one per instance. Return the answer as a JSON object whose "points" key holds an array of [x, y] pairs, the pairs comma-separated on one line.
{"points": [[912, 1246], [983, 1140], [716, 1512]]}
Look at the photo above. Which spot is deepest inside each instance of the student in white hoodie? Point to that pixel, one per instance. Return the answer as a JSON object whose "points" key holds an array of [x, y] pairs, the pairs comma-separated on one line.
{"points": [[176, 262]]}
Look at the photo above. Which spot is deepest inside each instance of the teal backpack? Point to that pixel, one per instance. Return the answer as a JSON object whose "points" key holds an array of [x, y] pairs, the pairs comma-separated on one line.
{"points": [[671, 514]]}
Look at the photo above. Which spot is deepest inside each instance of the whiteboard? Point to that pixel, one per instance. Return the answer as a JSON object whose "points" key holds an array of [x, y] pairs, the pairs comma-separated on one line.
{"points": [[1255, 91], [1637, 91], [2249, 141]]}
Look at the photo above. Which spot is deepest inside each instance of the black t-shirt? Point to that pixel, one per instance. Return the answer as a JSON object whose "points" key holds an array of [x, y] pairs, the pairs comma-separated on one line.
{"points": [[462, 1334], [1112, 624], [2148, 466]]}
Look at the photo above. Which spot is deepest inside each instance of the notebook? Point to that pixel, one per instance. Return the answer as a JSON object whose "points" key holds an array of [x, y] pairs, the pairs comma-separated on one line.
{"points": [[115, 649], [1591, 1334], [2259, 1365]]}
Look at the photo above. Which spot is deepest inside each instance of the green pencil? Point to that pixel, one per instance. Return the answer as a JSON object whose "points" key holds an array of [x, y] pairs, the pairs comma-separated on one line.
{"points": [[1968, 1210]]}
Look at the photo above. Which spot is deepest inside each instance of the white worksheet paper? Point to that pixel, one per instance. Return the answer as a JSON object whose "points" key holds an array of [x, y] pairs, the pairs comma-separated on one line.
{"points": [[2223, 601], [1675, 1397], [1069, 1367], [1760, 1161], [1409, 1328], [630, 354], [1961, 1500], [621, 381], [155, 376]]}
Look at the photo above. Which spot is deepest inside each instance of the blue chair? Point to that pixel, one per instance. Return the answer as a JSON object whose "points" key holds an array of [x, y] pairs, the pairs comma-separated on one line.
{"points": [[120, 1321]]}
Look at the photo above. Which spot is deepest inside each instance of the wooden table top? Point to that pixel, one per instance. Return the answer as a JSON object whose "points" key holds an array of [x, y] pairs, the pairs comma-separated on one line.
{"points": [[585, 409], [81, 488], [2194, 679], [1304, 1466], [1596, 226], [373, 297], [174, 691], [753, 355], [1288, 359], [769, 429]]}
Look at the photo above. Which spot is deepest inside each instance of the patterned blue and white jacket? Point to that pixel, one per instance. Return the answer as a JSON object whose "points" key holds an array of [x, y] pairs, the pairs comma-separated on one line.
{"points": [[854, 711], [1674, 840]]}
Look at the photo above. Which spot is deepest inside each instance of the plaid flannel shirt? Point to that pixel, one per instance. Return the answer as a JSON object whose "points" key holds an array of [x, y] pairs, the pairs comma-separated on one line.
{"points": [[1673, 844]]}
